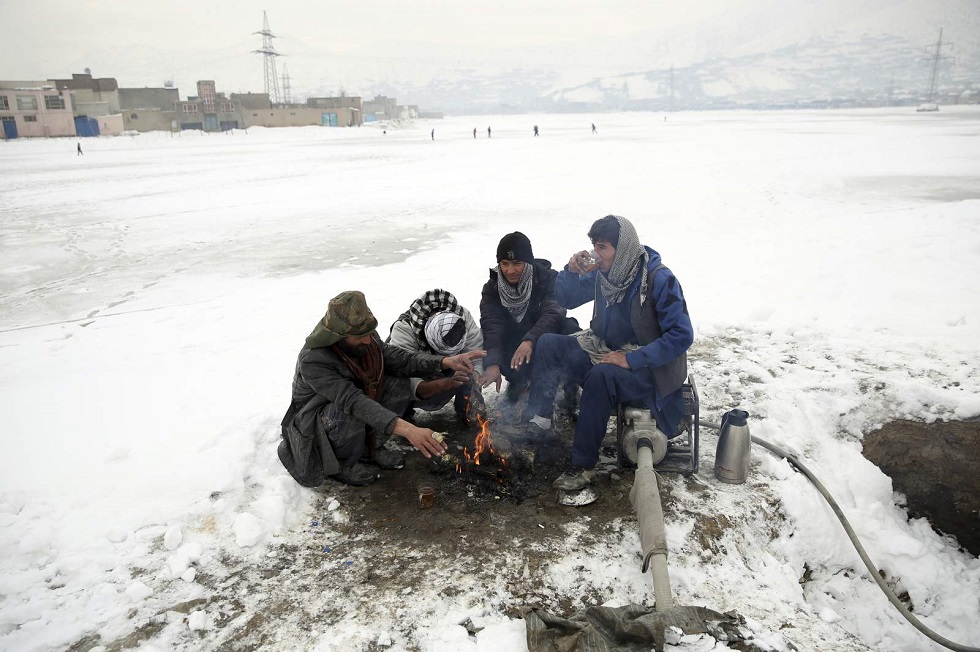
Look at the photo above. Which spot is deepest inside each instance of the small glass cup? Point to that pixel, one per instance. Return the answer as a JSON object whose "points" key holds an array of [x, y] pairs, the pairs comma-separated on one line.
{"points": [[427, 495], [589, 261]]}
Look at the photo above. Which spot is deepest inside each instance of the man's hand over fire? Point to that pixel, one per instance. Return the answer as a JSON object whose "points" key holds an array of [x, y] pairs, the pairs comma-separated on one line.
{"points": [[430, 388], [522, 355], [421, 438], [491, 377], [463, 361]]}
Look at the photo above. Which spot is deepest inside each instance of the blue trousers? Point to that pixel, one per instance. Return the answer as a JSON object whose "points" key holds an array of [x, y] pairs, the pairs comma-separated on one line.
{"points": [[604, 386]]}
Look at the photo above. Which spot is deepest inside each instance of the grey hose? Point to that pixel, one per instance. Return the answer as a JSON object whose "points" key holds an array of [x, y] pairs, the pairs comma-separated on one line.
{"points": [[645, 497], [902, 609]]}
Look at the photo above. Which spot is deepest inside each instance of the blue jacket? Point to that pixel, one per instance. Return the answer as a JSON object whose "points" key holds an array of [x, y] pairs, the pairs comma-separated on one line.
{"points": [[662, 328]]}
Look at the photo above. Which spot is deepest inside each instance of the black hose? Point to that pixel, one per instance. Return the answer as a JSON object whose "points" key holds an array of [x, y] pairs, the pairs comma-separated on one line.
{"points": [[792, 459]]}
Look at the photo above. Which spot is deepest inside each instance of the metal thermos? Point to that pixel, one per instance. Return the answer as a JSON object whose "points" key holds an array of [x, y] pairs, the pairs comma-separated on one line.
{"points": [[734, 448]]}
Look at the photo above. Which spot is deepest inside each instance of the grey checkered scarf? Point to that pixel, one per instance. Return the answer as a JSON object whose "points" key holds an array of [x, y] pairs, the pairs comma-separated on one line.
{"points": [[631, 258], [516, 297], [429, 302]]}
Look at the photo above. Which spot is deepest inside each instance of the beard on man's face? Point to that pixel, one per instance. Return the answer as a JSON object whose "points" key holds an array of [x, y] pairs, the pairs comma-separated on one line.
{"points": [[353, 350]]}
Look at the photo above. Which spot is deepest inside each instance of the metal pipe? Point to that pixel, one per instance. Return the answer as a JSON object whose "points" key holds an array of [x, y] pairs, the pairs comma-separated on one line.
{"points": [[645, 497]]}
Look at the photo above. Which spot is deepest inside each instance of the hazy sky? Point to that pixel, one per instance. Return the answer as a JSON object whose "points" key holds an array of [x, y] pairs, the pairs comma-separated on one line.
{"points": [[213, 40], [330, 45]]}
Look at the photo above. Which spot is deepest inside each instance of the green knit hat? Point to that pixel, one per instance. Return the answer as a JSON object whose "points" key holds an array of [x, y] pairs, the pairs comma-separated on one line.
{"points": [[347, 314]]}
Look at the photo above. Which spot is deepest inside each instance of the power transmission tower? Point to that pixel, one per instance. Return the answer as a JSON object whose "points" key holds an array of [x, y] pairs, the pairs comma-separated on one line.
{"points": [[285, 86], [269, 55], [936, 58]]}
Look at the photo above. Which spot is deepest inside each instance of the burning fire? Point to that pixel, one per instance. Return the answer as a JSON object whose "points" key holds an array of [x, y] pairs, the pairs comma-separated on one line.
{"points": [[484, 445]]}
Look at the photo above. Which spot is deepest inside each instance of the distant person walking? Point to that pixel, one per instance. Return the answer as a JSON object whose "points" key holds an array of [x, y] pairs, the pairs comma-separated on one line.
{"points": [[79, 150], [535, 130], [474, 133], [594, 129], [433, 134], [488, 132]]}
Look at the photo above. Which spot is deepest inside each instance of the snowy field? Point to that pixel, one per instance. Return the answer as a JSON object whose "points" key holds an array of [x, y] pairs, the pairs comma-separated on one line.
{"points": [[154, 293]]}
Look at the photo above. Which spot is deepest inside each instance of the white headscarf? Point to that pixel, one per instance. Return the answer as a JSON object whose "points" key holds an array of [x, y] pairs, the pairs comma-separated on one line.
{"points": [[446, 333]]}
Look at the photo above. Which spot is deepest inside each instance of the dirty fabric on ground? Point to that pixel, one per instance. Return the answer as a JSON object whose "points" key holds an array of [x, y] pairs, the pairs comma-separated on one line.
{"points": [[632, 628]]}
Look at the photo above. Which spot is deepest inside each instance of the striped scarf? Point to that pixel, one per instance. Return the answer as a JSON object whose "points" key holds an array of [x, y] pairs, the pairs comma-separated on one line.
{"points": [[429, 302], [516, 298], [631, 258]]}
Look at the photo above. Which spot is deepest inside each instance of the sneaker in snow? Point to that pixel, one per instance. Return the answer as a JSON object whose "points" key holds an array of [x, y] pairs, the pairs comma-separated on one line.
{"points": [[574, 479]]}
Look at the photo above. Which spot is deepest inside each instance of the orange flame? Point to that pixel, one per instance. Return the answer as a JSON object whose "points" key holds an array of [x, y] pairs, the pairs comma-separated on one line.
{"points": [[483, 439], [484, 445]]}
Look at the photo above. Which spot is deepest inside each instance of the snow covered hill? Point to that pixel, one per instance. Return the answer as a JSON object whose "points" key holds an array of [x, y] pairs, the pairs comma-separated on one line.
{"points": [[780, 54]]}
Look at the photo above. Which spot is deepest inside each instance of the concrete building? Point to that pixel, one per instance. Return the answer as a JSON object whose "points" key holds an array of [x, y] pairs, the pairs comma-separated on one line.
{"points": [[381, 108], [208, 111], [35, 109], [252, 101], [101, 93], [345, 110], [164, 99], [149, 109], [94, 100], [320, 111]]}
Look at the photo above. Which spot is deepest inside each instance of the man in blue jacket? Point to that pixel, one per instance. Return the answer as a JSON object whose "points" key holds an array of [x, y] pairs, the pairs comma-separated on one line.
{"points": [[635, 350]]}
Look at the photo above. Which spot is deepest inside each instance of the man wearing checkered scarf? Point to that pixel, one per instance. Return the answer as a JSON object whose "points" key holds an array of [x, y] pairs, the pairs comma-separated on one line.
{"points": [[349, 392], [436, 323], [634, 351], [517, 306]]}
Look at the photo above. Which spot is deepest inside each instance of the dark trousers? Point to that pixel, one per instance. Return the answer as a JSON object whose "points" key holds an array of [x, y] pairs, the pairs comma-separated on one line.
{"points": [[348, 434], [604, 386], [513, 338]]}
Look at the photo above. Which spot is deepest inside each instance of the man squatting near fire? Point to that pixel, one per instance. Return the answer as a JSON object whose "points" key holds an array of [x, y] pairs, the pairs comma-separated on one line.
{"points": [[349, 389], [436, 323], [517, 307], [634, 351]]}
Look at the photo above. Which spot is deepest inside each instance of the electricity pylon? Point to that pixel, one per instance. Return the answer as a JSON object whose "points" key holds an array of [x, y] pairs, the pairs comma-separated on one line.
{"points": [[269, 55]]}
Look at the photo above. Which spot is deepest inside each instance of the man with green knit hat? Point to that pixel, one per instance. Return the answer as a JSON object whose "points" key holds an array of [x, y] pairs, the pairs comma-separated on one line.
{"points": [[349, 389]]}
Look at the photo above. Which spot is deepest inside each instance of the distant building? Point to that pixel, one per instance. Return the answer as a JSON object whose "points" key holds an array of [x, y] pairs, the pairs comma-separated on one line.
{"points": [[148, 109], [148, 98], [321, 111], [381, 108], [95, 101], [35, 109], [209, 111], [346, 110], [252, 101]]}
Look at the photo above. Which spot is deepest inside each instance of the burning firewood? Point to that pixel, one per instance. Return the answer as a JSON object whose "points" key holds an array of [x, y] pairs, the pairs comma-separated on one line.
{"points": [[495, 464]]}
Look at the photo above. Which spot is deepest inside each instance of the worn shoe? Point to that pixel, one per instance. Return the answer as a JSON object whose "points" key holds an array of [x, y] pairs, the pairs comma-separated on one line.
{"points": [[356, 475], [574, 479], [388, 459], [533, 432]]}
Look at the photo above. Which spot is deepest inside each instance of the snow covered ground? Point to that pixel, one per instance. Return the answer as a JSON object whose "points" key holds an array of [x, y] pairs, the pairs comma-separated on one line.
{"points": [[155, 291]]}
